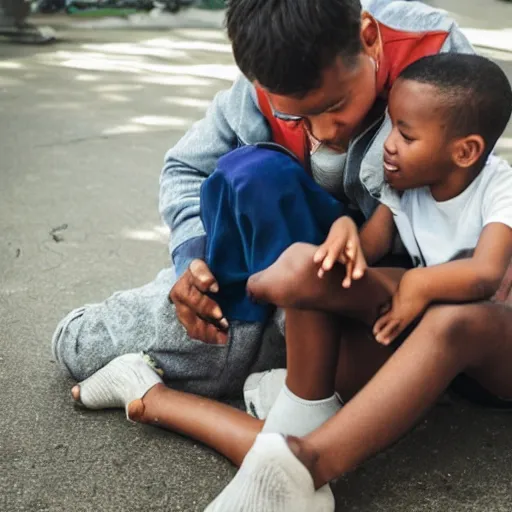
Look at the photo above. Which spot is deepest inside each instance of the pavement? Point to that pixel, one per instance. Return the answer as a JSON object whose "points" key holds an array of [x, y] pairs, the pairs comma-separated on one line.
{"points": [[84, 125]]}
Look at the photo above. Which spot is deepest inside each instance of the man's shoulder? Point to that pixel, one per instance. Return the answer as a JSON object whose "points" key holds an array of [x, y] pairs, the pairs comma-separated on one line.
{"points": [[410, 16]]}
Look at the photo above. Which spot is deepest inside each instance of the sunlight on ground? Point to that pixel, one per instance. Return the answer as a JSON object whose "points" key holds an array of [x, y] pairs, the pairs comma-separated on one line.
{"points": [[499, 39], [183, 101], [156, 234], [175, 122], [201, 34], [87, 78], [95, 61], [10, 64]]}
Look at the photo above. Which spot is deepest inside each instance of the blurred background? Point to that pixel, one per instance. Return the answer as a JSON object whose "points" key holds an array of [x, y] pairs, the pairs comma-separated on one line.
{"points": [[92, 94]]}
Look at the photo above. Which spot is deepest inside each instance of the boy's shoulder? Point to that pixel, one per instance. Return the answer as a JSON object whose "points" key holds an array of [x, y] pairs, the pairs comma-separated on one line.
{"points": [[497, 172], [409, 16]]}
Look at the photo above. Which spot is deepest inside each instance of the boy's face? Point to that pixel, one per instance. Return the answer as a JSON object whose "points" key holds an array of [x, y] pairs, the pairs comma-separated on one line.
{"points": [[334, 111], [417, 152]]}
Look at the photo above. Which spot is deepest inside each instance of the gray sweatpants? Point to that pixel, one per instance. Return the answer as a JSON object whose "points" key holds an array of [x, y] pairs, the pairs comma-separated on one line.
{"points": [[143, 319]]}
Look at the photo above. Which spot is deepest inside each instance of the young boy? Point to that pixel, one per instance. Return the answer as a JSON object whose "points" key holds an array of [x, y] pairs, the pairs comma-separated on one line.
{"points": [[449, 197], [447, 113]]}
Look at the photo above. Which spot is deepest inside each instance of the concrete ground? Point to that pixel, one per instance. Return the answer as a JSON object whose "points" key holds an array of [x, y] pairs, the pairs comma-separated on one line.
{"points": [[84, 125]]}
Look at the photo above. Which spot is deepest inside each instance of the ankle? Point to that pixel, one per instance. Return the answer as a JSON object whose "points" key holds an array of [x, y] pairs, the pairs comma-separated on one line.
{"points": [[308, 456], [140, 410]]}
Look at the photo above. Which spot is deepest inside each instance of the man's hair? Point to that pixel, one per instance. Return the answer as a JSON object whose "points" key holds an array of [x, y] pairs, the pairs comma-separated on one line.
{"points": [[286, 44], [474, 91]]}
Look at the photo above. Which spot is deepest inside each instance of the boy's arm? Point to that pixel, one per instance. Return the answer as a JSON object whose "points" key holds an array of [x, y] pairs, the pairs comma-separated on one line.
{"points": [[377, 235], [466, 280], [471, 279], [233, 118]]}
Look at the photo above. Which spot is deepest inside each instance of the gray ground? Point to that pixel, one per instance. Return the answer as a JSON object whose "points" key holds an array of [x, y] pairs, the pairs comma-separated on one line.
{"points": [[84, 126]]}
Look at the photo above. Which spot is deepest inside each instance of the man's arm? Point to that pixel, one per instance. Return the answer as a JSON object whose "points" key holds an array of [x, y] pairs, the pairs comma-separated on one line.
{"points": [[233, 119], [377, 235]]}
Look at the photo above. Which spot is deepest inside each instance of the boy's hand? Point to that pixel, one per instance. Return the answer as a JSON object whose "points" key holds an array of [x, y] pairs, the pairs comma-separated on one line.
{"points": [[342, 246], [200, 315], [406, 305]]}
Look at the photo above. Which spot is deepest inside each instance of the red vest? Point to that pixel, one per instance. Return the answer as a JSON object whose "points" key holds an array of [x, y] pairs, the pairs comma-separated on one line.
{"points": [[399, 50]]}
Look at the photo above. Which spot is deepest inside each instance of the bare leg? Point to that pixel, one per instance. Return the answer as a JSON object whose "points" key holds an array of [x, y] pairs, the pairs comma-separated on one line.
{"points": [[292, 282], [226, 429], [476, 339], [312, 359]]}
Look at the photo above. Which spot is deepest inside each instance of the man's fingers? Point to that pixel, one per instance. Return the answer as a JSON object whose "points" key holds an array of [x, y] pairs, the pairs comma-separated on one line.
{"points": [[202, 305], [202, 278]]}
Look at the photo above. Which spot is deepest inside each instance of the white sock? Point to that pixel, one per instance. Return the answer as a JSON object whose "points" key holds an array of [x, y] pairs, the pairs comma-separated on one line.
{"points": [[292, 415], [261, 391], [121, 381], [272, 479]]}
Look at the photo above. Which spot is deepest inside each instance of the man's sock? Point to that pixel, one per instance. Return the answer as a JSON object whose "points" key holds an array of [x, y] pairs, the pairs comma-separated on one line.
{"points": [[292, 415], [272, 479], [124, 379]]}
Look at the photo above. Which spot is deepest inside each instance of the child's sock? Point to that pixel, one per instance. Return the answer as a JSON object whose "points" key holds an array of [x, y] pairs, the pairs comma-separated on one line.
{"points": [[261, 391], [272, 479], [124, 379], [292, 415]]}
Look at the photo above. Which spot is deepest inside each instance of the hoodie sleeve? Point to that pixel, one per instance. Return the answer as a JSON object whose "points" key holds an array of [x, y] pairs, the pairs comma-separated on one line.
{"points": [[233, 119]]}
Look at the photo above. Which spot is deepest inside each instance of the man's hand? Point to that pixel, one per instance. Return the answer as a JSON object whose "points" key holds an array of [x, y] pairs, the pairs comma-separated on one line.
{"points": [[342, 246], [407, 304], [199, 314]]}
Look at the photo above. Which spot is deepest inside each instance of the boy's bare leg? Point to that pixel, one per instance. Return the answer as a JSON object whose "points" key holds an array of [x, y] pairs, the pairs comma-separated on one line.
{"points": [[226, 429], [292, 282], [312, 359], [475, 339]]}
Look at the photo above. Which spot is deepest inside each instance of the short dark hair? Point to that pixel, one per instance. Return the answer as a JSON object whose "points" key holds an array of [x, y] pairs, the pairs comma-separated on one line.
{"points": [[286, 44], [475, 91]]}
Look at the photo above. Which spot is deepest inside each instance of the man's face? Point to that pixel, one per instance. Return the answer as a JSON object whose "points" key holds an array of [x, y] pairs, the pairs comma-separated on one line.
{"points": [[416, 152], [333, 112]]}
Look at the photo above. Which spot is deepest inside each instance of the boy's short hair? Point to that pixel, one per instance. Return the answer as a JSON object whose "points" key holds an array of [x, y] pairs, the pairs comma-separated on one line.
{"points": [[286, 44], [476, 93]]}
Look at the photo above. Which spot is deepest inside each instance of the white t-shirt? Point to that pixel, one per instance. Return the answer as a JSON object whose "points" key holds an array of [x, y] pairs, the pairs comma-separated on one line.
{"points": [[435, 232]]}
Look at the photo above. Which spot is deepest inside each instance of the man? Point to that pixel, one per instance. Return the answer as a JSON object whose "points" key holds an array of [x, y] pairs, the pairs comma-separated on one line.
{"points": [[315, 81]]}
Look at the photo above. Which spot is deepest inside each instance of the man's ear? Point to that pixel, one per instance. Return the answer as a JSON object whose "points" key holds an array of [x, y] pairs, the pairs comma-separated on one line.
{"points": [[370, 36], [468, 150]]}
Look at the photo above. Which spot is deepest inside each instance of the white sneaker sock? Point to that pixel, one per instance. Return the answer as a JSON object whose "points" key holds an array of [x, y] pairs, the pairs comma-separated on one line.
{"points": [[121, 381], [261, 391], [272, 479], [292, 415]]}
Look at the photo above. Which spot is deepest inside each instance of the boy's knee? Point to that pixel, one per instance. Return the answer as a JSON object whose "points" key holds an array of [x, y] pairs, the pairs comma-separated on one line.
{"points": [[453, 325]]}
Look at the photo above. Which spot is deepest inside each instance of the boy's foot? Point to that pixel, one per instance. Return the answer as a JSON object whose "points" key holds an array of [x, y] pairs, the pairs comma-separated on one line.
{"points": [[292, 281], [273, 479], [261, 391], [124, 380]]}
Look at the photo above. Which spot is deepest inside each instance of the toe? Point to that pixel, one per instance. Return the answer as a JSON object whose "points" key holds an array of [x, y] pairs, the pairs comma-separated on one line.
{"points": [[75, 393], [135, 410]]}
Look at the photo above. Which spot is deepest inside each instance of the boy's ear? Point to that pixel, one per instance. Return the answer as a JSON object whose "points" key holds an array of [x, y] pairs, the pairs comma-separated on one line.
{"points": [[370, 36], [468, 150]]}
